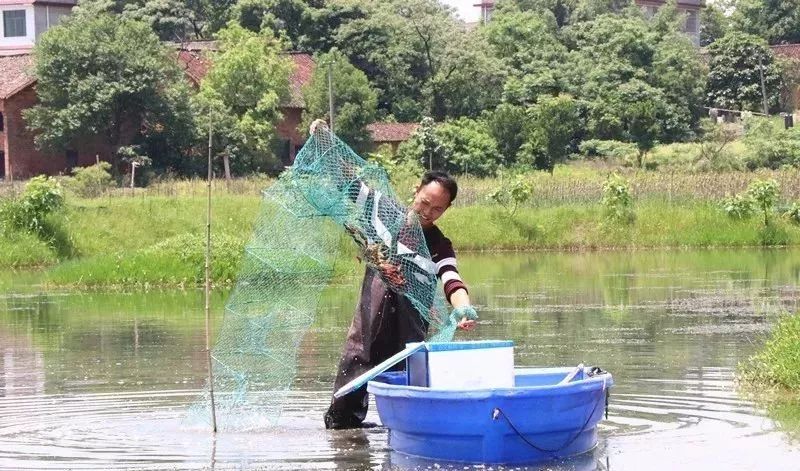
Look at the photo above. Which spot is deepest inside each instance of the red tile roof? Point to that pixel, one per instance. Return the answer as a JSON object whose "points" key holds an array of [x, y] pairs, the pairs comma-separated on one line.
{"points": [[391, 132], [195, 65], [16, 73], [791, 51]]}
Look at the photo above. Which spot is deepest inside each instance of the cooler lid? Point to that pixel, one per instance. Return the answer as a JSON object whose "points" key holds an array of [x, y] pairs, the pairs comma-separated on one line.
{"points": [[469, 345], [379, 368]]}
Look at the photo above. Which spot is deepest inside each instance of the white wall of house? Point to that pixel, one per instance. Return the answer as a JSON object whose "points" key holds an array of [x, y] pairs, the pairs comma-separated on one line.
{"points": [[38, 19], [10, 38]]}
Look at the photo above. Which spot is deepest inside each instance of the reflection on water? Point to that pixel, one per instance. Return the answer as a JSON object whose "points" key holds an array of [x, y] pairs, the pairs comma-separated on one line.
{"points": [[103, 380]]}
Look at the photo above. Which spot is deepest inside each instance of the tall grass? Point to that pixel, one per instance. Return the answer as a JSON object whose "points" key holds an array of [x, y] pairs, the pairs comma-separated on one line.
{"points": [[583, 184], [778, 363]]}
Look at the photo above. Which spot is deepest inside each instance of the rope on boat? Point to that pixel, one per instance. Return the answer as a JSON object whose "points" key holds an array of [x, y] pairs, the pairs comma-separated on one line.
{"points": [[497, 412]]}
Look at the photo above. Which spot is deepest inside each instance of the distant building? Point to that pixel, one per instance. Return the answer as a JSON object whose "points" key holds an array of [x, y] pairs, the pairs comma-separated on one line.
{"points": [[691, 8], [791, 53], [25, 20], [486, 7], [194, 60], [19, 157], [391, 134]]}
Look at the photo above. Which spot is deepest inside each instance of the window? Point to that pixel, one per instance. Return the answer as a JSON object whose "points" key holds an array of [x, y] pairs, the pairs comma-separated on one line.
{"points": [[692, 25], [2, 123], [2, 165], [14, 23]]}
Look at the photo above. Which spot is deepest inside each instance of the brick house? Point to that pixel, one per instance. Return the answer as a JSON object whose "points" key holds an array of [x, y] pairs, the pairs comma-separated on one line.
{"points": [[19, 158], [391, 134]]}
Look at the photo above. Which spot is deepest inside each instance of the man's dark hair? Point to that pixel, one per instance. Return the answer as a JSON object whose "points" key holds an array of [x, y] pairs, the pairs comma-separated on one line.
{"points": [[443, 179]]}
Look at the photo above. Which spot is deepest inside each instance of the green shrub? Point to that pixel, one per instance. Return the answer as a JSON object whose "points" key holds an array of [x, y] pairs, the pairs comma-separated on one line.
{"points": [[770, 146], [41, 197], [793, 213], [764, 194], [617, 200], [399, 170], [226, 253], [594, 148], [468, 148], [738, 206], [511, 195], [92, 181]]}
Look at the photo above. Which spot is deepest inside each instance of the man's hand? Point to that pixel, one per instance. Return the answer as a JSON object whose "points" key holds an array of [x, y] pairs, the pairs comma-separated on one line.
{"points": [[467, 324], [315, 124], [468, 317]]}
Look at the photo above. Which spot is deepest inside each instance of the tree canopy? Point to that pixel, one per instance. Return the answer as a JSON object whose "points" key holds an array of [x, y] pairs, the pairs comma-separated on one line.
{"points": [[241, 94], [354, 100], [103, 76]]}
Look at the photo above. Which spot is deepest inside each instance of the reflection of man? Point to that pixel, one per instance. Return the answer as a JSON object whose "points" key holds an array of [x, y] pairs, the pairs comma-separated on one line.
{"points": [[386, 320]]}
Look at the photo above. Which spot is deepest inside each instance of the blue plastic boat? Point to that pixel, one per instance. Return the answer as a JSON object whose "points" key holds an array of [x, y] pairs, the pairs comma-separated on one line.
{"points": [[550, 413]]}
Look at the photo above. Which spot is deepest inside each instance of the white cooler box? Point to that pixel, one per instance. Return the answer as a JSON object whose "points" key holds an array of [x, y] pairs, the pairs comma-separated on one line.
{"points": [[463, 365]]}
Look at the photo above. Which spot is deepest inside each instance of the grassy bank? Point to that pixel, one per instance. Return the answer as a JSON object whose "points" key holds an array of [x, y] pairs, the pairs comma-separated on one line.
{"points": [[155, 236], [773, 374], [778, 364]]}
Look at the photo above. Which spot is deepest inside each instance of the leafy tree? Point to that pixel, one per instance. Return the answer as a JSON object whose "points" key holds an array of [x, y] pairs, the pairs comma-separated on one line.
{"points": [[554, 123], [567, 12], [308, 26], [612, 55], [734, 78], [713, 24], [777, 21], [765, 194], [508, 124], [679, 73], [97, 75], [635, 111], [468, 148], [354, 100], [421, 60], [171, 20], [240, 96], [424, 147], [528, 46]]}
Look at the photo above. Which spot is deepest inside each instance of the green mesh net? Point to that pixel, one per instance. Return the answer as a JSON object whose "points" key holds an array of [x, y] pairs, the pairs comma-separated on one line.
{"points": [[288, 262]]}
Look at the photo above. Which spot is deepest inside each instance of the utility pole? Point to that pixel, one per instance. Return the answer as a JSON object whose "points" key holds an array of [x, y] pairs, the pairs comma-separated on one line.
{"points": [[763, 85], [330, 93]]}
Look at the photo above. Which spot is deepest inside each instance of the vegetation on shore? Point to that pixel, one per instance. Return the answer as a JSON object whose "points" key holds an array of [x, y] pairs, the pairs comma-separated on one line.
{"points": [[772, 374], [155, 236]]}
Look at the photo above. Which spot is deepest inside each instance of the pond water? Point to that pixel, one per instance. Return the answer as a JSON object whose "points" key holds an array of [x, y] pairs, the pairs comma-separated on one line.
{"points": [[103, 380]]}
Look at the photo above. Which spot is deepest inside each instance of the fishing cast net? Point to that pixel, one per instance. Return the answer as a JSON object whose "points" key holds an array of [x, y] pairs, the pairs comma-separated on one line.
{"points": [[288, 262]]}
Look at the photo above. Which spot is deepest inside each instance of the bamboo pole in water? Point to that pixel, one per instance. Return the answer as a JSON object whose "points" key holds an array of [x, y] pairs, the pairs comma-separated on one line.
{"points": [[208, 290]]}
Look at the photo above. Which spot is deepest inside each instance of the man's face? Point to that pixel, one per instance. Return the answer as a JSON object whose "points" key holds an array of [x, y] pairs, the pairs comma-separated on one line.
{"points": [[430, 202]]}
